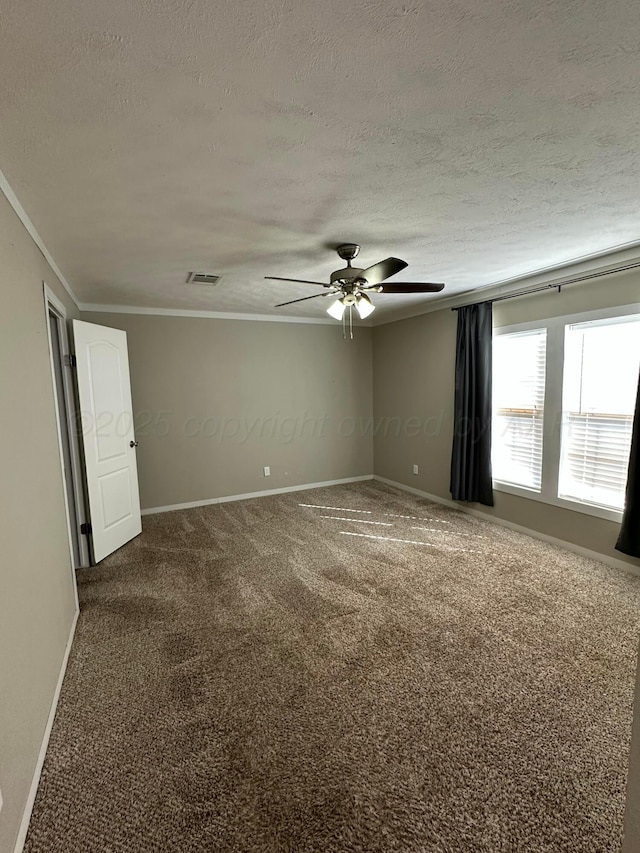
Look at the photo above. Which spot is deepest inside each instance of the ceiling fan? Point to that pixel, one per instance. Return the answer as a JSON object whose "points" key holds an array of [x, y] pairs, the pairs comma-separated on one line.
{"points": [[351, 286]]}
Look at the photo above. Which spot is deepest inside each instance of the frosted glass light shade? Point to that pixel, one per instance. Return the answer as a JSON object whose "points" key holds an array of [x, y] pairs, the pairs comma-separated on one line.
{"points": [[365, 306], [336, 309]]}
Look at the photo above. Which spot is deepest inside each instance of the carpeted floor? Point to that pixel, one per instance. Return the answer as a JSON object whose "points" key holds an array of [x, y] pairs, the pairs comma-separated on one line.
{"points": [[345, 669]]}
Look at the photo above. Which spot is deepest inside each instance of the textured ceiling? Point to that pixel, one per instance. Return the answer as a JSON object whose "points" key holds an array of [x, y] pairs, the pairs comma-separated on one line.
{"points": [[478, 141]]}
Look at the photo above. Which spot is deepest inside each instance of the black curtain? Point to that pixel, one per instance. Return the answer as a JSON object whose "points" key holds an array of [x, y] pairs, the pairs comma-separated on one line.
{"points": [[471, 457], [629, 539]]}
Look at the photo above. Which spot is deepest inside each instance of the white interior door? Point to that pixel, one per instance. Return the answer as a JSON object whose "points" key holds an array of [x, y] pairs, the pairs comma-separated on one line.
{"points": [[104, 391]]}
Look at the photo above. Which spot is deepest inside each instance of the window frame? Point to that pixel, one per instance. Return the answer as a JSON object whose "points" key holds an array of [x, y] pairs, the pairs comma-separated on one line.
{"points": [[552, 426]]}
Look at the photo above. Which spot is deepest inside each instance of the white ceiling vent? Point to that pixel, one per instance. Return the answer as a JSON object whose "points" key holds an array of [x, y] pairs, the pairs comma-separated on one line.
{"points": [[202, 278]]}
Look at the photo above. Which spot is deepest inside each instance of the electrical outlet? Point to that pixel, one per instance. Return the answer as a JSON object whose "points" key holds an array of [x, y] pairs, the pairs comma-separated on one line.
{"points": [[415, 469], [267, 471]]}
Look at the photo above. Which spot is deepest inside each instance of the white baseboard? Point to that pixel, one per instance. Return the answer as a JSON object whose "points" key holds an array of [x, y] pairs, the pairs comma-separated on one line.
{"points": [[561, 543], [262, 494], [33, 790]]}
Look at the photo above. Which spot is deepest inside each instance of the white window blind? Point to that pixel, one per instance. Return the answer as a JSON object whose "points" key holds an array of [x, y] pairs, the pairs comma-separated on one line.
{"points": [[519, 364], [599, 393]]}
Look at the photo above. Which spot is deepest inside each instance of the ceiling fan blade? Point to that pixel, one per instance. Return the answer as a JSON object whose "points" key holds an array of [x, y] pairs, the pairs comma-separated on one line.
{"points": [[304, 298], [296, 280], [407, 287], [383, 269]]}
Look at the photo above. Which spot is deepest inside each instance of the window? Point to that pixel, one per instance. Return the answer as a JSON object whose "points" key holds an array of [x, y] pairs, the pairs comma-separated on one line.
{"points": [[564, 394], [601, 364], [519, 362]]}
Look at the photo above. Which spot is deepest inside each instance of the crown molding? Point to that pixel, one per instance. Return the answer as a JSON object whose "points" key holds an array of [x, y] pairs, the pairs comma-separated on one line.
{"points": [[625, 253], [210, 315], [21, 213]]}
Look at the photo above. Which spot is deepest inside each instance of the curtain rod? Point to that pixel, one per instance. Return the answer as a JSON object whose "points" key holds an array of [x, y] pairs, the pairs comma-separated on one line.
{"points": [[558, 286]]}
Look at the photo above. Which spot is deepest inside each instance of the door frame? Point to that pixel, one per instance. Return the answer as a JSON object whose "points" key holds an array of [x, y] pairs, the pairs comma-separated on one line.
{"points": [[53, 306]]}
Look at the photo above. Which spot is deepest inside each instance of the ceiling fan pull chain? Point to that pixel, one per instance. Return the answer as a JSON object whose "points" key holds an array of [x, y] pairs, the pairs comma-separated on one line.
{"points": [[351, 321]]}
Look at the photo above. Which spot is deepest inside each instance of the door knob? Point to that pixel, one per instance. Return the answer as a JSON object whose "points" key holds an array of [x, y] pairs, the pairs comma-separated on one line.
{"points": [[133, 444]]}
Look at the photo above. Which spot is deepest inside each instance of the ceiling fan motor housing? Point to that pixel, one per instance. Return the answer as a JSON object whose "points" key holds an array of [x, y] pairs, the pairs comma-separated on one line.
{"points": [[350, 275]]}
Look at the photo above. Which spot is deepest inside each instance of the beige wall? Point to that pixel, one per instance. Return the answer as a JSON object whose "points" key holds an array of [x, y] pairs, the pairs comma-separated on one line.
{"points": [[413, 381], [216, 400], [413, 370], [37, 602]]}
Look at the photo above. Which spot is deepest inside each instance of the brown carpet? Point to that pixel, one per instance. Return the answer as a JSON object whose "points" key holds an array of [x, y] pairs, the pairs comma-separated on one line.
{"points": [[246, 677]]}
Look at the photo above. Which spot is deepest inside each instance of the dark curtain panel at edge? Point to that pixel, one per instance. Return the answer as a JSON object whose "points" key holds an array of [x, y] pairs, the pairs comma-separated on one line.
{"points": [[471, 479], [629, 539]]}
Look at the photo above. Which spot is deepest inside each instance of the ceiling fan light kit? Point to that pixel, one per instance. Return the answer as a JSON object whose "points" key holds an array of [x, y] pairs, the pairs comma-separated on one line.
{"points": [[352, 286]]}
